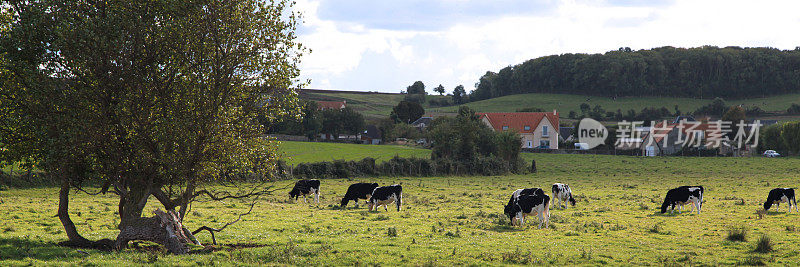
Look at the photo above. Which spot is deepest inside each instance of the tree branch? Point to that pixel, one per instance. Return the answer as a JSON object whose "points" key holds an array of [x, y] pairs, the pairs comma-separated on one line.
{"points": [[212, 230]]}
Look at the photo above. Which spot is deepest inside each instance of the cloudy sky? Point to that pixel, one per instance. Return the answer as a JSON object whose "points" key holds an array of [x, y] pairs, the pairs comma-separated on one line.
{"points": [[386, 45]]}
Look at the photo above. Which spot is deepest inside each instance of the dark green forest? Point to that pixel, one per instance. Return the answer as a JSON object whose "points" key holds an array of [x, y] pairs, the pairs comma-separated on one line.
{"points": [[702, 72]]}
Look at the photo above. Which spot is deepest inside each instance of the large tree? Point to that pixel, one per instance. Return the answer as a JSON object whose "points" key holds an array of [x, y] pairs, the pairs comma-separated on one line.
{"points": [[407, 112], [146, 99], [342, 121], [416, 88], [459, 95], [439, 89]]}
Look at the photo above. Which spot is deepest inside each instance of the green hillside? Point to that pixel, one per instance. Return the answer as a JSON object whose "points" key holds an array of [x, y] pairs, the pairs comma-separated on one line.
{"points": [[373, 106], [566, 103], [297, 152]]}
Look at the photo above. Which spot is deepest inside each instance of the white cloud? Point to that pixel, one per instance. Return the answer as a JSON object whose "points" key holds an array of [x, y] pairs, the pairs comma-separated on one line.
{"points": [[461, 52]]}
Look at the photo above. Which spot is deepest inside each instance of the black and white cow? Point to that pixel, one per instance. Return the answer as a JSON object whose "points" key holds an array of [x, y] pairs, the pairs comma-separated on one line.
{"points": [[781, 195], [304, 188], [385, 195], [562, 193], [682, 195], [508, 209], [527, 205], [358, 191]]}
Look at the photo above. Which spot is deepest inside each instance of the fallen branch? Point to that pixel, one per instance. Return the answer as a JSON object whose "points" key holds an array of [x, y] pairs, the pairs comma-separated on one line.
{"points": [[213, 230]]}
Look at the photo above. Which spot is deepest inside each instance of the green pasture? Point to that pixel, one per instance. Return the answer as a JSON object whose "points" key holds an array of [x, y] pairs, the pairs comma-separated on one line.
{"points": [[297, 152], [373, 106], [455, 220]]}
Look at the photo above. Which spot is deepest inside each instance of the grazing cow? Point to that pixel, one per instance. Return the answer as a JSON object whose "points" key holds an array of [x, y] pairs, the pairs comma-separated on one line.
{"points": [[562, 193], [304, 188], [358, 191], [385, 195], [682, 195], [781, 195], [515, 196], [528, 205]]}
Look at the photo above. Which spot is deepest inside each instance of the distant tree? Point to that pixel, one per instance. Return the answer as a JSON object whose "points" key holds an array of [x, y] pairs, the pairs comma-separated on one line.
{"points": [[530, 109], [407, 112], [467, 112], [664, 71], [717, 107], [770, 138], [352, 121], [677, 111], [416, 98], [342, 121], [572, 114], [416, 88], [459, 95], [312, 120], [331, 122], [734, 115], [439, 89], [790, 133], [794, 109], [585, 108]]}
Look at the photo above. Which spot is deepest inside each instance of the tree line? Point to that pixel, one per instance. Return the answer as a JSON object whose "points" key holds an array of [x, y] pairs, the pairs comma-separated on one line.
{"points": [[702, 72], [312, 121]]}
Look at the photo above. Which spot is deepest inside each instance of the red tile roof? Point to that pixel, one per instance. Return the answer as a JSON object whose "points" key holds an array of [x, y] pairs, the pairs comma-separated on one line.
{"points": [[331, 104], [518, 120]]}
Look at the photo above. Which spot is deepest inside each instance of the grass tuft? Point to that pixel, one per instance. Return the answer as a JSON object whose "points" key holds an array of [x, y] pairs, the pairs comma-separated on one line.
{"points": [[656, 228], [392, 232], [764, 244], [737, 234]]}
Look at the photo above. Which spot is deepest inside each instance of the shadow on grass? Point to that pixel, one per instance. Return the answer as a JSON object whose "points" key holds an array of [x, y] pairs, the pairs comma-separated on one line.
{"points": [[16, 248], [506, 228]]}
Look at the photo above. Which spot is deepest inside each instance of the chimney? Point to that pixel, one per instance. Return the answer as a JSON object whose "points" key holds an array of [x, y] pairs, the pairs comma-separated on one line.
{"points": [[554, 111]]}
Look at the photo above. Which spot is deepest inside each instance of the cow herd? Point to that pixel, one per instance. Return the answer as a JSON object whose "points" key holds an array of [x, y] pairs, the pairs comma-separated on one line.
{"points": [[529, 201]]}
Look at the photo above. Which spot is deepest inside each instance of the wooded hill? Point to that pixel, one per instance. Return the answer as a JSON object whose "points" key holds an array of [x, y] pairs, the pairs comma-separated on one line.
{"points": [[703, 72]]}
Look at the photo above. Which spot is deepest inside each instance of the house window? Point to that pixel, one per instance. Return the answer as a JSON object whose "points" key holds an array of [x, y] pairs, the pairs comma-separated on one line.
{"points": [[530, 144], [544, 131], [505, 128], [544, 143], [527, 128]]}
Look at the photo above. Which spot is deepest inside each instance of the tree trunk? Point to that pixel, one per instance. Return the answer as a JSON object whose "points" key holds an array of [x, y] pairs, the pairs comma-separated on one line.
{"points": [[164, 228], [75, 239]]}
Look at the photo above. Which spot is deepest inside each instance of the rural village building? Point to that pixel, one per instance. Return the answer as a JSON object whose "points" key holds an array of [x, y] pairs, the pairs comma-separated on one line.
{"points": [[372, 135], [323, 105], [538, 129], [669, 138]]}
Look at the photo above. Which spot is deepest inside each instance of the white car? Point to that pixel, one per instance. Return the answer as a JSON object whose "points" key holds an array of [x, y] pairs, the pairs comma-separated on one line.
{"points": [[771, 154]]}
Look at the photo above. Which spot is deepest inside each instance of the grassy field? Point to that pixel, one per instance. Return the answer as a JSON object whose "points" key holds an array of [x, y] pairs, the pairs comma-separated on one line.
{"points": [[373, 106], [297, 152], [453, 220], [566, 103]]}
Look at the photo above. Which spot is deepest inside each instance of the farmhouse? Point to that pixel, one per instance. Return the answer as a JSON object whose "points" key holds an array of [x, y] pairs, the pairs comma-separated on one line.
{"points": [[323, 105], [422, 123], [668, 138], [538, 129], [372, 135]]}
